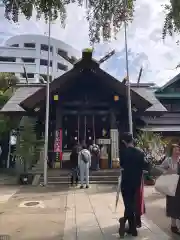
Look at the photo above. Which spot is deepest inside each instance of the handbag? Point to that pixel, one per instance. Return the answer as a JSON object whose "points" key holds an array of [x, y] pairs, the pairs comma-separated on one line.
{"points": [[167, 184]]}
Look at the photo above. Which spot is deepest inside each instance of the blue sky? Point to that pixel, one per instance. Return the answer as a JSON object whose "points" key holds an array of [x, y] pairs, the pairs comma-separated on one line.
{"points": [[145, 44]]}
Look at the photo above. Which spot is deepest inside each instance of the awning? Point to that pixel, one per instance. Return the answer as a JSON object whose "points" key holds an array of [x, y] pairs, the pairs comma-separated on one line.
{"points": [[161, 129]]}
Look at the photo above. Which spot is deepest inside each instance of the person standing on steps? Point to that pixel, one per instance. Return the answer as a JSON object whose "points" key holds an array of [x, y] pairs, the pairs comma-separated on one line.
{"points": [[74, 165], [84, 162], [133, 162], [95, 156]]}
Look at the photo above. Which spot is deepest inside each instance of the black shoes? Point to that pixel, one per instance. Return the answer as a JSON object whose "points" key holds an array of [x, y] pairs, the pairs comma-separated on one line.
{"points": [[122, 227], [175, 230], [131, 230], [81, 187], [138, 222]]}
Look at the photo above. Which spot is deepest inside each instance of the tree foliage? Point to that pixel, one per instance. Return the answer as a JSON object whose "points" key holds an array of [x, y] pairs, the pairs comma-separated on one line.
{"points": [[172, 19], [152, 145], [104, 16], [27, 142], [7, 84], [7, 81]]}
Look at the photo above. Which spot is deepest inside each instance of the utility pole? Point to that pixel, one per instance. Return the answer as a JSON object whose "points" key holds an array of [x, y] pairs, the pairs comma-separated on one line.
{"points": [[127, 74], [47, 107]]}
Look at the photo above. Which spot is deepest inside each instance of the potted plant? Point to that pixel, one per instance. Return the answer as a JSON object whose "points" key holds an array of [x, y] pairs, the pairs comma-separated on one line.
{"points": [[153, 146]]}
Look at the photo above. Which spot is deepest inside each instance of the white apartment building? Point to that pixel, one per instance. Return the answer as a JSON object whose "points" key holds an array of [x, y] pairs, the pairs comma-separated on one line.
{"points": [[31, 52]]}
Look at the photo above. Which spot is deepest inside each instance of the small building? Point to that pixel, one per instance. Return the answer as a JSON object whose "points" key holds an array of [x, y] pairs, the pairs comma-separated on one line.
{"points": [[168, 124], [86, 104]]}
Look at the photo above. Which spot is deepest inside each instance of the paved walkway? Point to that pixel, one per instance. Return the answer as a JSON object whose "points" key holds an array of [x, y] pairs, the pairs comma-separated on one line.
{"points": [[92, 216], [44, 221], [7, 193], [66, 214]]}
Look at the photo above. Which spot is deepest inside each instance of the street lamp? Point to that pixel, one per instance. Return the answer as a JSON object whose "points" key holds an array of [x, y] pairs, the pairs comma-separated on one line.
{"points": [[47, 107], [127, 75]]}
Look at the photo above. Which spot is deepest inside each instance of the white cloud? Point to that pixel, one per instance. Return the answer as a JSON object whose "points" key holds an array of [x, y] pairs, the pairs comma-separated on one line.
{"points": [[144, 41]]}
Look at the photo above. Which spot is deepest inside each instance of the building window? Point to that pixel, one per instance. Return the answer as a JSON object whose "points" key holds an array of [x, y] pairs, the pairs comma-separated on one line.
{"points": [[44, 62], [15, 45], [7, 59], [62, 66], [28, 60], [29, 45], [62, 53], [29, 75], [44, 47]]}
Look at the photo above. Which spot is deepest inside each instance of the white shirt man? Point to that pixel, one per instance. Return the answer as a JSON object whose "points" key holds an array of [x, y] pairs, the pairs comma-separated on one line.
{"points": [[84, 162]]}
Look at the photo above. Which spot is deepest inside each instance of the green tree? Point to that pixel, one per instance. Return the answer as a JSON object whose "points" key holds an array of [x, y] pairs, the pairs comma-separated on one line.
{"points": [[27, 144], [172, 20], [152, 144], [7, 81], [104, 16], [154, 147], [7, 86]]}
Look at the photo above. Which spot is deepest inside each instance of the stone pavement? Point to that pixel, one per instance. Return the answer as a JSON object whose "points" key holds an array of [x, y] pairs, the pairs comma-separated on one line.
{"points": [[67, 214], [92, 216], [44, 221], [155, 210], [7, 193]]}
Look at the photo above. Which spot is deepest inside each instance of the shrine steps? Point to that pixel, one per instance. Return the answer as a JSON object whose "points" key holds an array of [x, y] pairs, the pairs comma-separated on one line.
{"points": [[96, 177]]}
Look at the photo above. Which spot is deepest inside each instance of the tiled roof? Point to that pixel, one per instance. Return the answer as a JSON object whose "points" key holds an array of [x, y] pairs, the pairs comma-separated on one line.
{"points": [[159, 128], [20, 94], [165, 119], [149, 95]]}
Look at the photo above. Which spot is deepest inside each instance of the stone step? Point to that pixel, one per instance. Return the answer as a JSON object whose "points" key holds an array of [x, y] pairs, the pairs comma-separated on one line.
{"points": [[8, 180], [92, 179], [59, 178], [108, 172], [91, 182], [62, 176]]}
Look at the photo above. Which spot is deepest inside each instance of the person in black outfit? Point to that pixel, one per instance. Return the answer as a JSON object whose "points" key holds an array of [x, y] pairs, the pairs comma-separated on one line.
{"points": [[74, 165], [132, 161]]}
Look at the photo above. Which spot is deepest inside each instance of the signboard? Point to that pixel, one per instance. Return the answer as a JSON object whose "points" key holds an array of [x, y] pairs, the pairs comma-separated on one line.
{"points": [[58, 142], [105, 141], [114, 144]]}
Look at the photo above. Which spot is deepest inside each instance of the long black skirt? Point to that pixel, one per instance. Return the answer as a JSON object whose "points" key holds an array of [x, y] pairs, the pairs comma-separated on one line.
{"points": [[173, 204]]}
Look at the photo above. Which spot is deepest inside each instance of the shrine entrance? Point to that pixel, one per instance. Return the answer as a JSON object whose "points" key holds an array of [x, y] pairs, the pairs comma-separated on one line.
{"points": [[84, 127]]}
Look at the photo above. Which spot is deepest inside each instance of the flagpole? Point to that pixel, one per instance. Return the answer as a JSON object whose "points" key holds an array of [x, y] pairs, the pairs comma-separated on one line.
{"points": [[127, 74], [47, 107]]}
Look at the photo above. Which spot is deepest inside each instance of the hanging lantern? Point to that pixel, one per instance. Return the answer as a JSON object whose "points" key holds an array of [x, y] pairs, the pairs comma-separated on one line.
{"points": [[116, 98], [56, 97]]}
